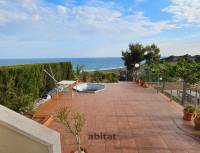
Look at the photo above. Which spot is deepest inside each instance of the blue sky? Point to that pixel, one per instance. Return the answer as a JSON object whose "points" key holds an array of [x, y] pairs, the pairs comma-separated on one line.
{"points": [[96, 28]]}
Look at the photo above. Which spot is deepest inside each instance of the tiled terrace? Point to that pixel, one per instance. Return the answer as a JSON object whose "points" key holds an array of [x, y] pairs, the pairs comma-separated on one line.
{"points": [[145, 122]]}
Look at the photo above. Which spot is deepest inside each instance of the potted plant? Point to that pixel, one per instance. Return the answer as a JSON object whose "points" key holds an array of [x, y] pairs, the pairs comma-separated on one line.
{"points": [[145, 85], [197, 119], [142, 82], [137, 81], [189, 113], [74, 122]]}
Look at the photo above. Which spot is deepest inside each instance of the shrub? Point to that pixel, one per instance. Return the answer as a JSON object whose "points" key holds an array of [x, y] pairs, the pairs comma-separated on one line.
{"points": [[189, 109], [21, 85], [73, 121], [99, 76], [198, 112], [111, 77], [84, 76]]}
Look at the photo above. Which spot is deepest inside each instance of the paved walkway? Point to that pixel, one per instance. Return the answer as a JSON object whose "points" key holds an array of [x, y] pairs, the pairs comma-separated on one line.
{"points": [[142, 120]]}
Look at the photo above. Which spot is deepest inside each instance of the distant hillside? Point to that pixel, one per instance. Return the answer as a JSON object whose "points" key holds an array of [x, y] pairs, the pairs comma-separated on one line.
{"points": [[174, 59]]}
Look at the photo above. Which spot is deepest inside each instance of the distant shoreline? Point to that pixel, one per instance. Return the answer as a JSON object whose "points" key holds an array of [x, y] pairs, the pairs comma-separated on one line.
{"points": [[90, 64], [107, 69]]}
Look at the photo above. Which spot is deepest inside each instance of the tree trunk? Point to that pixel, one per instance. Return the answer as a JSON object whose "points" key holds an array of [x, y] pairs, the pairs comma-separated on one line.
{"points": [[136, 75], [133, 75], [78, 142], [184, 92], [163, 85], [149, 76]]}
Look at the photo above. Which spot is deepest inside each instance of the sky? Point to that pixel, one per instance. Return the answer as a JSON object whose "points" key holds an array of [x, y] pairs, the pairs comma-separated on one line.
{"points": [[97, 28]]}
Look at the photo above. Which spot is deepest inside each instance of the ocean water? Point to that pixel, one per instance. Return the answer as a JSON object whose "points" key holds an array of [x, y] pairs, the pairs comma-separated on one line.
{"points": [[90, 64]]}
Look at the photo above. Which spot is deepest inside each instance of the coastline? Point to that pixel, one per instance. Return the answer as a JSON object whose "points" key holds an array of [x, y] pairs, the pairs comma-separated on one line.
{"points": [[110, 69], [90, 64]]}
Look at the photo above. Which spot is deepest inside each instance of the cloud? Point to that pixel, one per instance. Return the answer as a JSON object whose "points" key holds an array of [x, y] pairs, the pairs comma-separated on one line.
{"points": [[91, 20], [91, 28], [62, 9], [18, 11], [7, 16], [185, 10], [180, 47]]}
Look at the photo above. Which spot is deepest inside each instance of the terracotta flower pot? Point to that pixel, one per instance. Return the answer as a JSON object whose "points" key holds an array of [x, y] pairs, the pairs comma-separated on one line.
{"points": [[142, 83], [197, 123], [137, 81], [83, 150], [145, 86], [188, 116]]}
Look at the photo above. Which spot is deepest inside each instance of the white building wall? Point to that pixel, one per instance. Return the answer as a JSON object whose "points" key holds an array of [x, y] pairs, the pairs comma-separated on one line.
{"points": [[19, 134]]}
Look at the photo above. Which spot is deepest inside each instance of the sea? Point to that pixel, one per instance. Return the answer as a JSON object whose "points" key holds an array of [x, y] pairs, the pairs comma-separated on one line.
{"points": [[90, 64]]}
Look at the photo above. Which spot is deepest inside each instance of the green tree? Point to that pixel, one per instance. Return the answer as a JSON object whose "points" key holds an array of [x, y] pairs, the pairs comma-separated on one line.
{"points": [[152, 54], [189, 72], [74, 122], [164, 70], [134, 54]]}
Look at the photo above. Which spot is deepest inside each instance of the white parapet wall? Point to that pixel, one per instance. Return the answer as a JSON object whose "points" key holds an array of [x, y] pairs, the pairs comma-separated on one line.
{"points": [[19, 134]]}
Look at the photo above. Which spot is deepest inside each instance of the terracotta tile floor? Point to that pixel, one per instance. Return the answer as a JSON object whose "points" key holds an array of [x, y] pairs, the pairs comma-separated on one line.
{"points": [[144, 121]]}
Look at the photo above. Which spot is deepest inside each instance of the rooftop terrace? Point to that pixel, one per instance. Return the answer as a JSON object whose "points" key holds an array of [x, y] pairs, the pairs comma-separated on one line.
{"points": [[142, 120]]}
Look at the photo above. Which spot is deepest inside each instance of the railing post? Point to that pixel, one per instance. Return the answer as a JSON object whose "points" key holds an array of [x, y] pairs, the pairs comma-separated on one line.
{"points": [[171, 96]]}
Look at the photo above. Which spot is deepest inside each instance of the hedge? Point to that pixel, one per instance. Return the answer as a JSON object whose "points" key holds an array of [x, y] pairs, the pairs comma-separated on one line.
{"points": [[21, 85]]}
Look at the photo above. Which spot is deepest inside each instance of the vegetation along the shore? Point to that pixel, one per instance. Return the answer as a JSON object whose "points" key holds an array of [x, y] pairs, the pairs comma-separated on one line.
{"points": [[109, 76]]}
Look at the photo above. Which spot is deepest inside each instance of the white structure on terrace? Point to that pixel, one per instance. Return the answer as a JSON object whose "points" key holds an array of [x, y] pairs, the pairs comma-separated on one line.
{"points": [[19, 134]]}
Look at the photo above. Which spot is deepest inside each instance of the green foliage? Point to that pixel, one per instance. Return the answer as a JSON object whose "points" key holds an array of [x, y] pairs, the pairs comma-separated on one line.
{"points": [[188, 70], [111, 77], [152, 54], [21, 85], [190, 109], [133, 55], [165, 70], [99, 76], [161, 69], [74, 122], [79, 70], [198, 112], [84, 76], [137, 53]]}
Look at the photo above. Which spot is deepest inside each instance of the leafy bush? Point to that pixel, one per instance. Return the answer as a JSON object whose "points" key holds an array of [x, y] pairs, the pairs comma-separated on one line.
{"points": [[189, 109], [98, 76], [198, 112], [111, 77], [84, 76], [21, 85]]}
